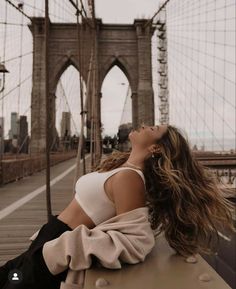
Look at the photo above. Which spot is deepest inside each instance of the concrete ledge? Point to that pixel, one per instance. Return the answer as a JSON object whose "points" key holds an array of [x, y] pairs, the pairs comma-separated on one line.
{"points": [[162, 269]]}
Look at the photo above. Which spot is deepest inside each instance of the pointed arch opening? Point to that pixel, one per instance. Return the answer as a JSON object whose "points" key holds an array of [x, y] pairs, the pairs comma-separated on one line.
{"points": [[116, 108], [67, 107]]}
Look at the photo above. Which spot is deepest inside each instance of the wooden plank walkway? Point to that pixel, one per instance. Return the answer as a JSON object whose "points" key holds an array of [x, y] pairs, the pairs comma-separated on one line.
{"points": [[19, 225]]}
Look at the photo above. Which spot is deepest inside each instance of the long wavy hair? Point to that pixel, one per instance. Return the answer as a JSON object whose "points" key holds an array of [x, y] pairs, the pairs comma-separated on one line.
{"points": [[185, 199]]}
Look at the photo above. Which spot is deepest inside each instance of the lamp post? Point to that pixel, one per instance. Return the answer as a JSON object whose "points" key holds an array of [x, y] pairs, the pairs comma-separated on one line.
{"points": [[3, 70]]}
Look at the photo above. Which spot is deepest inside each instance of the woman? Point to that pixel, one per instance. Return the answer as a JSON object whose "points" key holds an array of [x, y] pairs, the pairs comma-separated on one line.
{"points": [[183, 197]]}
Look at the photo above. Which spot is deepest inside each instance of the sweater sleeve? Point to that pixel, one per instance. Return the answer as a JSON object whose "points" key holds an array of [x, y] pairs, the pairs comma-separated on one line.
{"points": [[74, 249]]}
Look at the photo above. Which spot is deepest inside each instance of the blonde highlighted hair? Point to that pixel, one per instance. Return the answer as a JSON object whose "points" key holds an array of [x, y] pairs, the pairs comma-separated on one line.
{"points": [[185, 199]]}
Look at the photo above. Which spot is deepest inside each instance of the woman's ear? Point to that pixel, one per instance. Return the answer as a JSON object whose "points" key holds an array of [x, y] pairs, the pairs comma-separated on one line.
{"points": [[154, 148], [157, 149]]}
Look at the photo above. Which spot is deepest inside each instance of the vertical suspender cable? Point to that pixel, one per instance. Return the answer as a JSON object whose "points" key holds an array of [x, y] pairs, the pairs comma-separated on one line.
{"points": [[96, 94], [96, 104], [92, 130], [84, 103], [81, 138], [89, 93], [91, 96], [2, 98], [20, 72], [47, 102], [82, 112], [93, 111], [95, 126], [82, 122]]}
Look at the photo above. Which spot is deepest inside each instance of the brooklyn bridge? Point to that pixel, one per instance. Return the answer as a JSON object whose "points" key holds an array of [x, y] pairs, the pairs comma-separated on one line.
{"points": [[77, 76]]}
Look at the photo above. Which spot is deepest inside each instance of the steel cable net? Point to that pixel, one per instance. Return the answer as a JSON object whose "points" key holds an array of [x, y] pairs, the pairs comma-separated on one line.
{"points": [[201, 71], [201, 65], [16, 52]]}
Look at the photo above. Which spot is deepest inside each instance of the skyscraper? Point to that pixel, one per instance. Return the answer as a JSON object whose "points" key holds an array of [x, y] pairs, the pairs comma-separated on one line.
{"points": [[13, 133], [23, 134], [65, 124]]}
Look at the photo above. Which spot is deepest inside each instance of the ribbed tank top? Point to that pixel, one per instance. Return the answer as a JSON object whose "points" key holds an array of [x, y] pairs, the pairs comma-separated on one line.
{"points": [[91, 196]]}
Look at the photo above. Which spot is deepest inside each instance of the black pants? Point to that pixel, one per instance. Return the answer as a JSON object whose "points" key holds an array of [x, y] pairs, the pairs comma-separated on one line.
{"points": [[35, 274]]}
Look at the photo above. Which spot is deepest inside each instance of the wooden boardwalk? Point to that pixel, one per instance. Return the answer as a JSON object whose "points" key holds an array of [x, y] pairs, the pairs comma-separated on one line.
{"points": [[18, 225]]}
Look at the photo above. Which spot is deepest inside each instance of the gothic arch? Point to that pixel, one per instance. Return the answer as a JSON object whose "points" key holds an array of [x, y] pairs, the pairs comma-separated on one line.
{"points": [[126, 45], [124, 67], [61, 64]]}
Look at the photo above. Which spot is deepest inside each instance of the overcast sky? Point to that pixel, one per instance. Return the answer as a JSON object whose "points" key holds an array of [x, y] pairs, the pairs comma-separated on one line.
{"points": [[201, 64]]}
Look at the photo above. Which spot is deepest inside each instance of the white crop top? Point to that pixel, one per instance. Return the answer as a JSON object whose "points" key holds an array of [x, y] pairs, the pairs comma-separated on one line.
{"points": [[90, 194]]}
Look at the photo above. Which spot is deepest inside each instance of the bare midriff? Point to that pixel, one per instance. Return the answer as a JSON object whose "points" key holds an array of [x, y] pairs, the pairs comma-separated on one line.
{"points": [[73, 215]]}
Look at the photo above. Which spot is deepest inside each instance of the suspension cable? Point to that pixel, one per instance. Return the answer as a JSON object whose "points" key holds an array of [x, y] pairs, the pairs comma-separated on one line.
{"points": [[151, 19], [79, 11], [67, 103], [81, 138], [11, 23], [48, 120], [20, 69], [14, 88], [20, 10], [83, 9], [16, 57]]}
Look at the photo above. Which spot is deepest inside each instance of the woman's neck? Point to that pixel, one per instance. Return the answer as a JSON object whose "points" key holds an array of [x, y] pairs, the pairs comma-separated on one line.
{"points": [[135, 159]]}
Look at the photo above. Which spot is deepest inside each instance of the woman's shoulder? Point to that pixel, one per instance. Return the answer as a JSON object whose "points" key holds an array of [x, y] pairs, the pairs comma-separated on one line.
{"points": [[128, 190], [129, 175], [125, 172], [132, 171]]}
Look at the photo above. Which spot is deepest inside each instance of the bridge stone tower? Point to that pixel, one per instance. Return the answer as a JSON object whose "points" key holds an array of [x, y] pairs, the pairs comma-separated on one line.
{"points": [[126, 45]]}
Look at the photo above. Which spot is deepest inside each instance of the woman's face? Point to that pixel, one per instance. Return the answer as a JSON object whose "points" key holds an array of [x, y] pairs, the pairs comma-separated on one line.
{"points": [[147, 135]]}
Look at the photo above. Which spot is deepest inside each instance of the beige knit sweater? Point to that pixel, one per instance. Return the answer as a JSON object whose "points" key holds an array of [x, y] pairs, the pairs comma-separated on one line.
{"points": [[127, 238]]}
